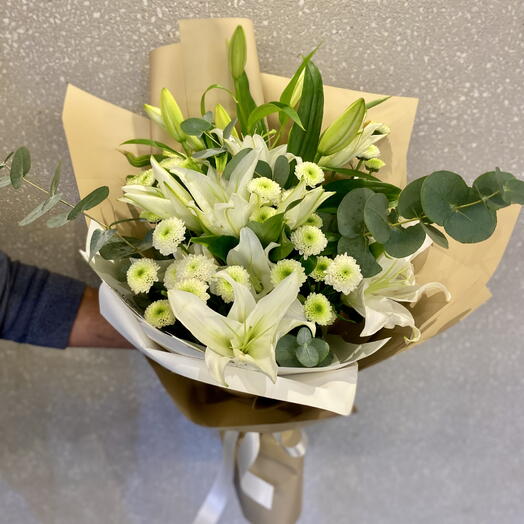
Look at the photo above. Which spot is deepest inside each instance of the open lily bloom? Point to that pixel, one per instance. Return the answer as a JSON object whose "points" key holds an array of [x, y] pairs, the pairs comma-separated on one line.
{"points": [[377, 298], [249, 333]]}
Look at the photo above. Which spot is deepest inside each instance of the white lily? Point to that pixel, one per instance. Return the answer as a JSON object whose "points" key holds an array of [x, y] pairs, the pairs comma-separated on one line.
{"points": [[222, 207], [356, 147], [310, 200], [249, 333], [377, 298]]}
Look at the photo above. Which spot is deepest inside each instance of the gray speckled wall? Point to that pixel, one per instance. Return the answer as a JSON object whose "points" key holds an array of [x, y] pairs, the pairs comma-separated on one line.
{"points": [[89, 435]]}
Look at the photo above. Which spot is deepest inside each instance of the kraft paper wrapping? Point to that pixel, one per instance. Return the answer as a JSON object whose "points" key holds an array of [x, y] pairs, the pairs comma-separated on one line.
{"points": [[95, 128]]}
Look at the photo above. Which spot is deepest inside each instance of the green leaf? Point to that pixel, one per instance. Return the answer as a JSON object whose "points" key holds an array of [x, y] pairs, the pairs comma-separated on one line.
{"points": [[99, 238], [490, 187], [263, 169], [321, 346], [195, 126], [287, 93], [286, 352], [269, 230], [245, 104], [405, 241], [308, 263], [268, 108], [210, 88], [303, 142], [20, 166], [409, 204], [376, 217], [437, 236], [219, 246], [58, 220], [471, 224], [56, 179], [207, 153], [281, 170], [92, 200], [229, 128], [369, 105], [514, 191], [350, 213], [116, 248], [284, 248], [152, 143], [234, 162], [41, 209], [441, 192], [304, 335], [358, 248]]}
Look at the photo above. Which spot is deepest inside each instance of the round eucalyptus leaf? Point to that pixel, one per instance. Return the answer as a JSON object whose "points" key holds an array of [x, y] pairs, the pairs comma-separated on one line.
{"points": [[490, 186], [321, 346], [20, 166], [307, 355], [436, 235], [350, 213], [376, 217], [405, 241], [409, 204], [304, 335], [514, 191], [358, 248], [92, 200], [471, 224], [441, 192], [195, 126], [285, 352], [263, 169], [281, 170]]}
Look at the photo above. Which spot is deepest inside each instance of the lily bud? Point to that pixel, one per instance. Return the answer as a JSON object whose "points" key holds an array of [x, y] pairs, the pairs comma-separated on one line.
{"points": [[237, 52], [297, 91], [172, 115], [154, 114], [371, 152], [374, 164], [222, 119], [342, 131]]}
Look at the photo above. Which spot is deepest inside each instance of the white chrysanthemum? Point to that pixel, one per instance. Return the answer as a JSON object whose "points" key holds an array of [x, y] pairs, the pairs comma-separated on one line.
{"points": [[343, 274], [374, 164], [221, 287], [262, 214], [310, 172], [314, 220], [266, 189], [159, 314], [309, 240], [371, 152], [197, 266], [319, 273], [195, 286], [168, 234], [318, 309], [284, 268], [142, 274]]}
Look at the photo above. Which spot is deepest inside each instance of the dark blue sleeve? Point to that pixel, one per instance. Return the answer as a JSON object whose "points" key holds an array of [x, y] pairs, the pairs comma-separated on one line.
{"points": [[36, 306]]}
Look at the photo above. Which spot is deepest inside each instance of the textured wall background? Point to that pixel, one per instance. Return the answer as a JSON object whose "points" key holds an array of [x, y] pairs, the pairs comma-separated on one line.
{"points": [[89, 435]]}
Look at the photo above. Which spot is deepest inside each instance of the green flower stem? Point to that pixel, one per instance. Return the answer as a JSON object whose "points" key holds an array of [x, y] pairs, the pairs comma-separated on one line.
{"points": [[43, 190], [105, 226]]}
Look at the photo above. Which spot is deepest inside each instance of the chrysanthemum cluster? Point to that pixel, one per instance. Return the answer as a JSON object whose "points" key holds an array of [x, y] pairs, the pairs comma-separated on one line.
{"points": [[159, 314], [168, 235], [142, 274], [309, 240], [343, 274]]}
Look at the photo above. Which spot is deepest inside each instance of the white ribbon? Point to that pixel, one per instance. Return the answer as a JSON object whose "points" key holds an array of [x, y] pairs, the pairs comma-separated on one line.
{"points": [[258, 489]]}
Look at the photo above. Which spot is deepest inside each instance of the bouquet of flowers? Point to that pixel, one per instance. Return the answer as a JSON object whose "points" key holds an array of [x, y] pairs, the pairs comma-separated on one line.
{"points": [[267, 242]]}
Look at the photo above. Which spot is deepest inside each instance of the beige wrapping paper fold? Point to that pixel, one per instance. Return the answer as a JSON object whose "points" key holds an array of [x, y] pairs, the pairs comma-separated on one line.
{"points": [[94, 130]]}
